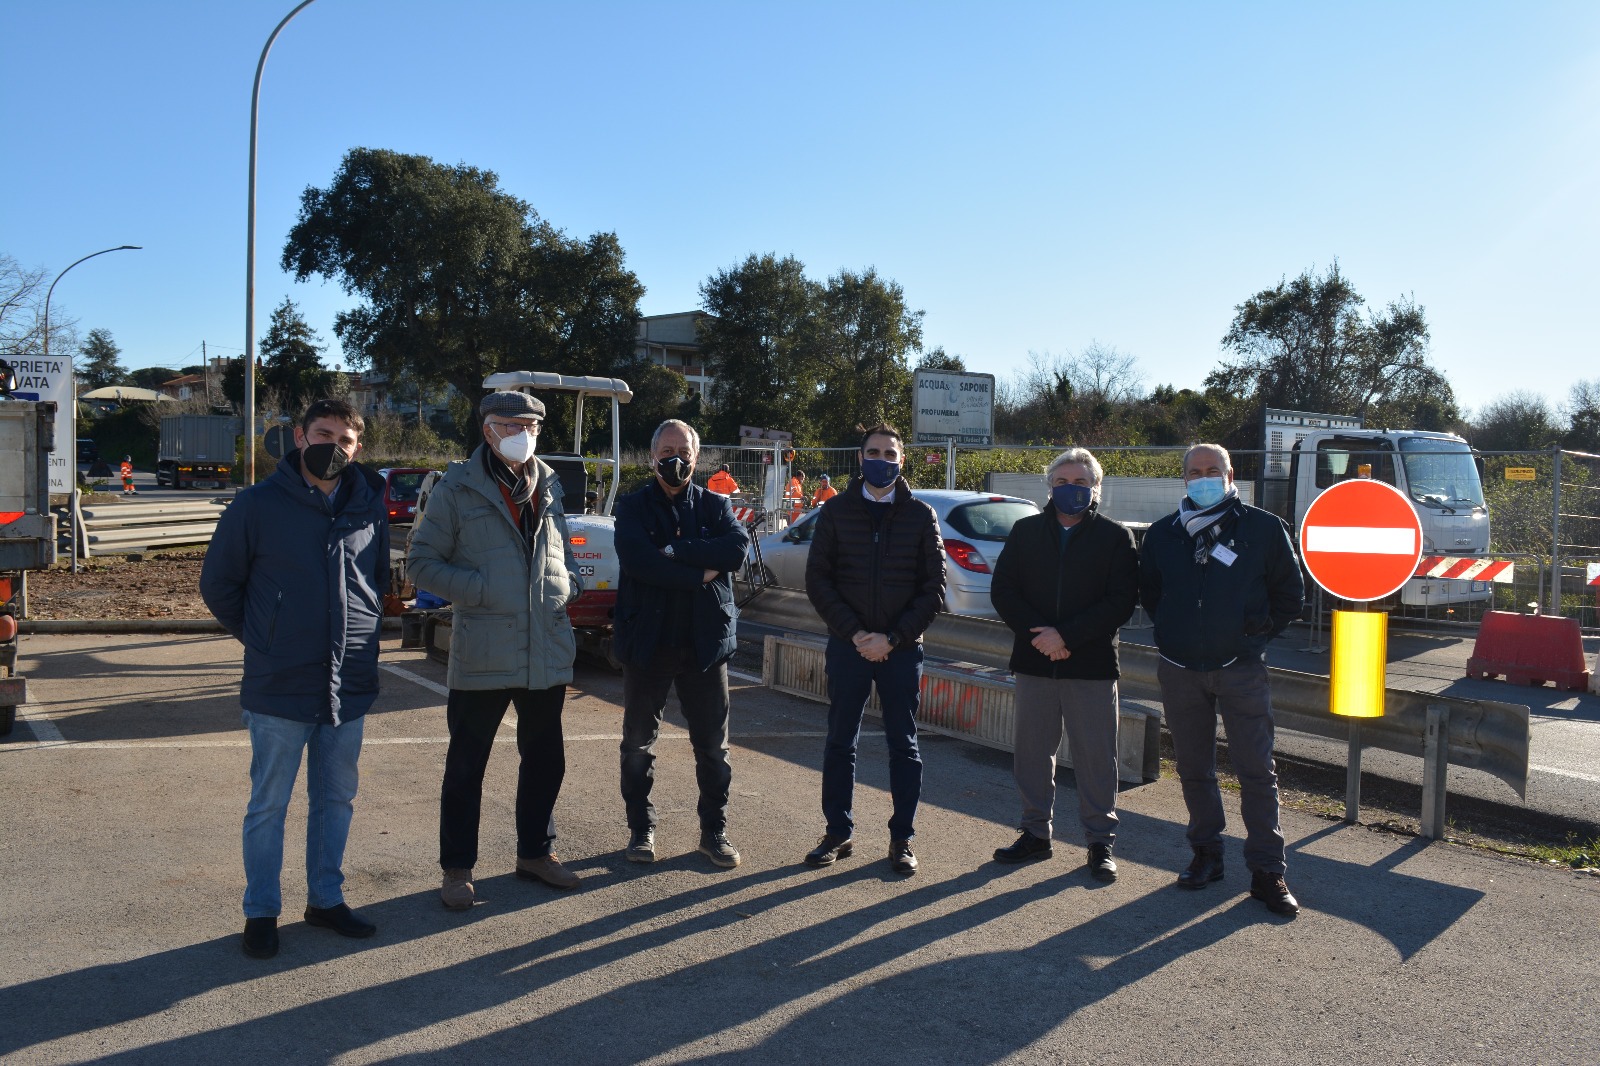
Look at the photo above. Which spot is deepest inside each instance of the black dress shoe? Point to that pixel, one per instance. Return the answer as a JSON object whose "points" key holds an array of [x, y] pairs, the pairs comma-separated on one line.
{"points": [[1101, 866], [830, 848], [900, 857], [1272, 890], [1206, 868], [260, 937], [1028, 848], [341, 920]]}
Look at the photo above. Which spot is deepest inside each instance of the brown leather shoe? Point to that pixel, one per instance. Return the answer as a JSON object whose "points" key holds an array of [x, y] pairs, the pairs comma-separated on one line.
{"points": [[548, 868], [457, 893], [1272, 890]]}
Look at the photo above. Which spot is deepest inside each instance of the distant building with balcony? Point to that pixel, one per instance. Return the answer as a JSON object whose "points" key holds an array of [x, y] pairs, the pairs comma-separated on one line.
{"points": [[673, 341], [372, 393]]}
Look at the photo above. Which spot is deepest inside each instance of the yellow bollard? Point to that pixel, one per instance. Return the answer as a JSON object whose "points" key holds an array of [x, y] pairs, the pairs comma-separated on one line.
{"points": [[1360, 654]]}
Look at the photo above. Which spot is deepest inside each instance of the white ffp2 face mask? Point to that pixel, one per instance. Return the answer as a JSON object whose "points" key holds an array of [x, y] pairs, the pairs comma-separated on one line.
{"points": [[517, 448]]}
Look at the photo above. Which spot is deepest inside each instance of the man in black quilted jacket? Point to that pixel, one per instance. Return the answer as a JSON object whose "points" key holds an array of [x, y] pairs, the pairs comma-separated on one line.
{"points": [[876, 576]]}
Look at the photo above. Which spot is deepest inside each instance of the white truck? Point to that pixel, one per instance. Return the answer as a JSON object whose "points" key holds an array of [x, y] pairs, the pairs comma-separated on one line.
{"points": [[1308, 452], [27, 528]]}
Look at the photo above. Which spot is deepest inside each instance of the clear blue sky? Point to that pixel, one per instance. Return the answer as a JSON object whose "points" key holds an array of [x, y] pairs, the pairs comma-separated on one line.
{"points": [[1037, 176]]}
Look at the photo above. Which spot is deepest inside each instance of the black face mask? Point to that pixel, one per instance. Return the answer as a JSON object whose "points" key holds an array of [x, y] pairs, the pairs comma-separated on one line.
{"points": [[323, 461], [674, 470]]}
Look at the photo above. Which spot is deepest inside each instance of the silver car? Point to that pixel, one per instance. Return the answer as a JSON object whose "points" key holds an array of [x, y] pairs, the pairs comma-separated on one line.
{"points": [[974, 526]]}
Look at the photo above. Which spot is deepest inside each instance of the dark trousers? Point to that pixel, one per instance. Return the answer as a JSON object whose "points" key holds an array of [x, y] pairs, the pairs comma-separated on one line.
{"points": [[474, 717], [703, 694], [850, 681], [1239, 693]]}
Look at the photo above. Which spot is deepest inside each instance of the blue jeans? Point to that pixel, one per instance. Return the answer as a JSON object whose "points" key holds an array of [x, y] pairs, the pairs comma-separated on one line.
{"points": [[331, 778], [850, 681], [1240, 694]]}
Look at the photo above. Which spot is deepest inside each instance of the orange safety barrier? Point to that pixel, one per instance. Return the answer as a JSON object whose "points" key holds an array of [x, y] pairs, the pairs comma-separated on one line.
{"points": [[1530, 649]]}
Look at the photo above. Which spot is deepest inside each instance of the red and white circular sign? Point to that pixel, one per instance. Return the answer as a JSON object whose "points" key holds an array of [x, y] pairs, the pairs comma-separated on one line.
{"points": [[1361, 539]]}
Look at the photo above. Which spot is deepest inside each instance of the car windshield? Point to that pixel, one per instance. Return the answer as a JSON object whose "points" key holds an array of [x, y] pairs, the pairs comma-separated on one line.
{"points": [[405, 486], [1441, 473], [989, 519]]}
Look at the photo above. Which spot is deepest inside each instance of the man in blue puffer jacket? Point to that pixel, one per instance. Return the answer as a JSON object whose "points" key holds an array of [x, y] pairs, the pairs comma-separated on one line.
{"points": [[296, 572], [1220, 579]]}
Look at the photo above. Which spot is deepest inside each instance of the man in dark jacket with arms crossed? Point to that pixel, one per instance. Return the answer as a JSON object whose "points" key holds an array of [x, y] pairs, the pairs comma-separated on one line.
{"points": [[677, 546]]}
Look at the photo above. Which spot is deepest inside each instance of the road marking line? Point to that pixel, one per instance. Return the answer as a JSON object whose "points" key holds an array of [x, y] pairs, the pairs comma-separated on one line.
{"points": [[1363, 540], [400, 671], [742, 676], [44, 730], [1566, 773]]}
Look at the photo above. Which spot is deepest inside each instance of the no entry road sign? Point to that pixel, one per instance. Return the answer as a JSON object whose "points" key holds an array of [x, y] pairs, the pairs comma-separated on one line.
{"points": [[1361, 540]]}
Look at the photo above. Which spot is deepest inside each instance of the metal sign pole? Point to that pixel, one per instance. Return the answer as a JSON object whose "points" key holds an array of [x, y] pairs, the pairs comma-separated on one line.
{"points": [[950, 463]]}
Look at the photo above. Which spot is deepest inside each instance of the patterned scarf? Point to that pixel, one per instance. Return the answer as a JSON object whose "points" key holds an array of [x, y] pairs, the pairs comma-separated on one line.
{"points": [[1205, 525], [519, 485]]}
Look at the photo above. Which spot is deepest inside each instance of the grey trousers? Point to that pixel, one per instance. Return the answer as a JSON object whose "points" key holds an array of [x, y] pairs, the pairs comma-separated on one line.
{"points": [[1240, 694], [1087, 711]]}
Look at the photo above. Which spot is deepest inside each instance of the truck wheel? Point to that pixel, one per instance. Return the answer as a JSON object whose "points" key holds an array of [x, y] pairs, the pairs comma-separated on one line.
{"points": [[8, 718]]}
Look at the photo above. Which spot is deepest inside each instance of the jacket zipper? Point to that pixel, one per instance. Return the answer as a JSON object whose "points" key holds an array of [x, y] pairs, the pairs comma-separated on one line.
{"points": [[272, 627], [1061, 573]]}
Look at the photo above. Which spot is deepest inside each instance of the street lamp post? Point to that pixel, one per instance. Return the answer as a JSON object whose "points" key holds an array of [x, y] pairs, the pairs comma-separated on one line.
{"points": [[72, 397], [250, 264]]}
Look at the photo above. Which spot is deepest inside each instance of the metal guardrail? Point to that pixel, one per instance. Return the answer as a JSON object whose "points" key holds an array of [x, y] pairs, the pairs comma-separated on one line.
{"points": [[1482, 735], [118, 528], [971, 703]]}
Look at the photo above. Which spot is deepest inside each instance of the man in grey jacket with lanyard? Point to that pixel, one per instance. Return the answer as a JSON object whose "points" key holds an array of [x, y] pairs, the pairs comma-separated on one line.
{"points": [[494, 542]]}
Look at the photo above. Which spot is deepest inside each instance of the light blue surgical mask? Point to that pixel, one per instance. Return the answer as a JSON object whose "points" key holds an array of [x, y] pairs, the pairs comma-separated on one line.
{"points": [[1071, 499], [1207, 491]]}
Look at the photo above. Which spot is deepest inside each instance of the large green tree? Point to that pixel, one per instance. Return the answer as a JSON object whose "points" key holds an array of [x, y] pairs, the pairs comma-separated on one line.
{"points": [[291, 359], [100, 361], [758, 345], [1309, 344], [458, 278], [865, 337]]}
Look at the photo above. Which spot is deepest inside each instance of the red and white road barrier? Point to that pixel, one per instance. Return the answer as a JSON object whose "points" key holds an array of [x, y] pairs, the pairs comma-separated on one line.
{"points": [[1465, 568]]}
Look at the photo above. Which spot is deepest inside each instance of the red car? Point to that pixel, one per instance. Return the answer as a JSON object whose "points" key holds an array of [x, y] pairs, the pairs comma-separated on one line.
{"points": [[400, 485]]}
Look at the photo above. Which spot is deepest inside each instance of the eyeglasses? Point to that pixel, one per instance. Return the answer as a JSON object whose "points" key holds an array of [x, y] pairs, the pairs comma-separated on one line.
{"points": [[511, 429]]}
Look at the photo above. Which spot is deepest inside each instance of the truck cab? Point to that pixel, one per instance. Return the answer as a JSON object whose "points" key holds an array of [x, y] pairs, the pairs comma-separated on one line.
{"points": [[1438, 472]]}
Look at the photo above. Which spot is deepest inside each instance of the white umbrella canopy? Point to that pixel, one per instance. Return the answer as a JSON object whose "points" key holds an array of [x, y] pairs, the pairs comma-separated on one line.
{"points": [[126, 393]]}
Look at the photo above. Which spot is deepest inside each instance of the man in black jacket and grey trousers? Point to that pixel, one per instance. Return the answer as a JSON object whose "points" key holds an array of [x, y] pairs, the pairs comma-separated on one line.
{"points": [[875, 574], [1065, 582], [1220, 579]]}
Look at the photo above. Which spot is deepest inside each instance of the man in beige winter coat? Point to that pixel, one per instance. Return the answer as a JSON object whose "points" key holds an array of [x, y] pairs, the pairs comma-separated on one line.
{"points": [[493, 541]]}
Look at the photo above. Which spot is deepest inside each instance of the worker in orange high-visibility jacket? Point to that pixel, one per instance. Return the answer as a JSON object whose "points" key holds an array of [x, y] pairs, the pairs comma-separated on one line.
{"points": [[794, 495], [127, 476], [824, 493], [722, 482]]}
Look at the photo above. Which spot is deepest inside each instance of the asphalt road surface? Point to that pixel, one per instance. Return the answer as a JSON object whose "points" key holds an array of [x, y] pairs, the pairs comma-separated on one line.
{"points": [[125, 783]]}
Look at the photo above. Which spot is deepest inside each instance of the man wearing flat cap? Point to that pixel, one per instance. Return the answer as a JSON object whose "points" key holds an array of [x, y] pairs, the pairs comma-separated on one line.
{"points": [[493, 541]]}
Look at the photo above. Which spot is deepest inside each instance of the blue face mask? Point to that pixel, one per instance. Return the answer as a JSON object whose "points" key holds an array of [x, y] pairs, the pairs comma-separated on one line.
{"points": [[879, 473], [1071, 499], [1207, 491]]}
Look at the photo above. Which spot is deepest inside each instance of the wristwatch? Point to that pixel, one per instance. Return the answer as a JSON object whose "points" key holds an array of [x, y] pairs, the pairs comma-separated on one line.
{"points": [[667, 551], [894, 640]]}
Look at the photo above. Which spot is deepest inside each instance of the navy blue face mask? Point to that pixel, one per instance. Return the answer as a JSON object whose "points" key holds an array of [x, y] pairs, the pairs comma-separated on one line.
{"points": [[879, 473], [1071, 499]]}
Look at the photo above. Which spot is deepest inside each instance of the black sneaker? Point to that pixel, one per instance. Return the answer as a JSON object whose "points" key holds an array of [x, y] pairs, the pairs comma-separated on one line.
{"points": [[900, 857], [1272, 890], [260, 937], [341, 920], [715, 847], [1101, 866], [1028, 848], [642, 846], [1204, 869], [828, 849]]}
